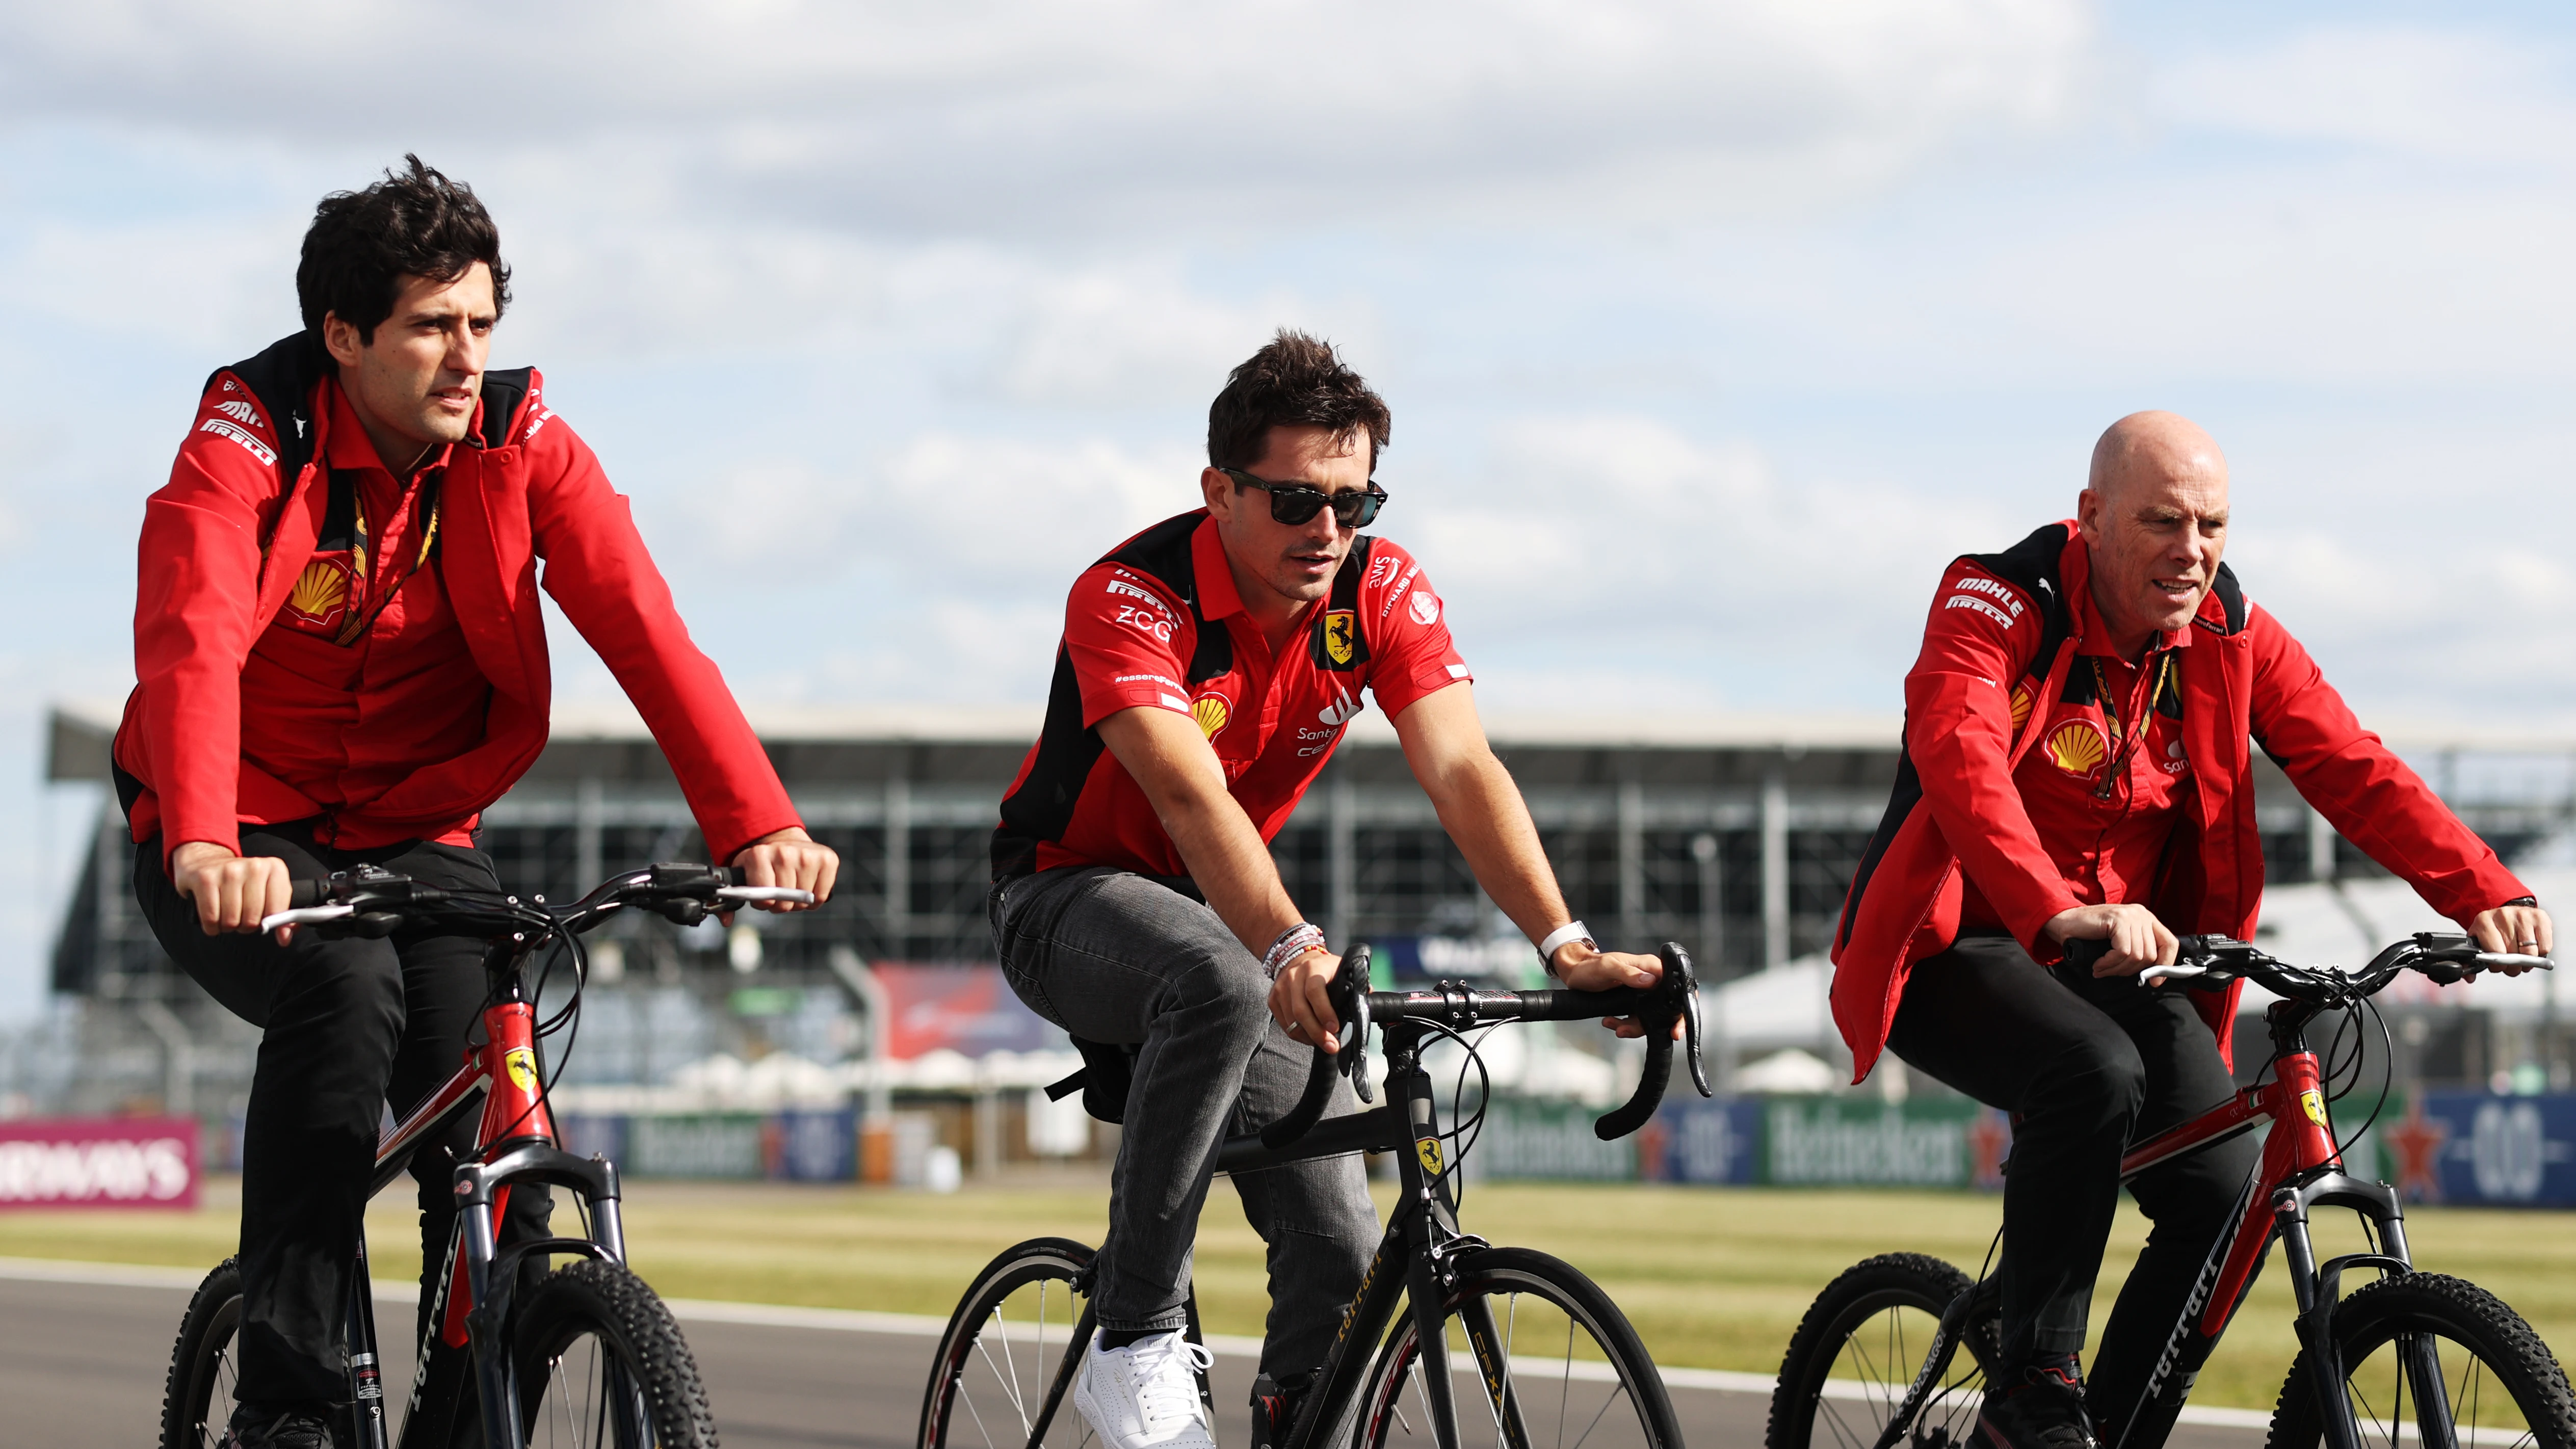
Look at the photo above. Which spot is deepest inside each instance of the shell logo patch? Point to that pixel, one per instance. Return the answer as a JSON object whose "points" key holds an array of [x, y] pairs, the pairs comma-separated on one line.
{"points": [[2077, 748], [1211, 711], [1428, 1150], [2315, 1103], [521, 1064], [2021, 703], [1341, 634], [321, 592]]}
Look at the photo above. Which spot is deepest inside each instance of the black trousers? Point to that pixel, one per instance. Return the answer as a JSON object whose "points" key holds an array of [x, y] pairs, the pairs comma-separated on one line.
{"points": [[348, 1026], [2088, 1066]]}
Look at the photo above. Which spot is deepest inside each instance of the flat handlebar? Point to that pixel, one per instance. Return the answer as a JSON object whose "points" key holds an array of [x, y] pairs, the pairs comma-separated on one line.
{"points": [[373, 902], [2215, 960]]}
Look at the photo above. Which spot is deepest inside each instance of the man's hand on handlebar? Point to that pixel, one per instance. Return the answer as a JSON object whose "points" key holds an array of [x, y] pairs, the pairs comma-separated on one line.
{"points": [[789, 858], [2139, 942], [1300, 1004], [1588, 968], [2513, 931], [232, 892]]}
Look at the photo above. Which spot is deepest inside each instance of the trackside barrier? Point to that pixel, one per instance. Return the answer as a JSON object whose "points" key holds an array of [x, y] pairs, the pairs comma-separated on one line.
{"points": [[126, 1162]]}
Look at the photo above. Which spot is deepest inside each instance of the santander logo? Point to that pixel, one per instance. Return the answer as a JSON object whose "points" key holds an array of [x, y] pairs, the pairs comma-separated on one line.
{"points": [[1340, 711]]}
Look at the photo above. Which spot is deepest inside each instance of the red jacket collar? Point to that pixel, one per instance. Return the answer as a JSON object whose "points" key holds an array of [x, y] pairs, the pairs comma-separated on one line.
{"points": [[344, 441], [1217, 594]]}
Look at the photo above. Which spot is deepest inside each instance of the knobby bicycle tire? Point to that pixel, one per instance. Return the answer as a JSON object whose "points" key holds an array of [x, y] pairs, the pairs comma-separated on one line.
{"points": [[201, 1362], [1623, 1401], [641, 1371], [2495, 1339], [996, 1362], [1875, 1322]]}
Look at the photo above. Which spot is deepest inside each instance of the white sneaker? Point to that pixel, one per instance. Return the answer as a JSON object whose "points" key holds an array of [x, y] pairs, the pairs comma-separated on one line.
{"points": [[1146, 1395]]}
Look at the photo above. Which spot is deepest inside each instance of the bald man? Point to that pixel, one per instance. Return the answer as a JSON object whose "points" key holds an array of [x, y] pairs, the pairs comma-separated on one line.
{"points": [[2079, 740]]}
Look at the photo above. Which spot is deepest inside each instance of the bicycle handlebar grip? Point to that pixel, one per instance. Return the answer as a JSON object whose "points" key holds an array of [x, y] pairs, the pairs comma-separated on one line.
{"points": [[1344, 995], [2083, 955], [306, 894], [1650, 1085]]}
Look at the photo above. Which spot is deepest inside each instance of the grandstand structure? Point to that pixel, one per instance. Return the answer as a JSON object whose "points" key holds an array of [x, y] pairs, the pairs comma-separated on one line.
{"points": [[1735, 835]]}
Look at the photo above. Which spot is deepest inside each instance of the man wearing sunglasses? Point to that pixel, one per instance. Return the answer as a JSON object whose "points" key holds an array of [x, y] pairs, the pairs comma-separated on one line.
{"points": [[1209, 666]]}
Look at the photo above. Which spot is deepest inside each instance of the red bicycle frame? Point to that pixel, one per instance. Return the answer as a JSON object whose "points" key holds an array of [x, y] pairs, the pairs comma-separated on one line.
{"points": [[2300, 1169]]}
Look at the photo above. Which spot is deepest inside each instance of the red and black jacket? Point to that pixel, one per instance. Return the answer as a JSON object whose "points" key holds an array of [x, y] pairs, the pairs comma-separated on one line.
{"points": [[225, 541], [2245, 684]]}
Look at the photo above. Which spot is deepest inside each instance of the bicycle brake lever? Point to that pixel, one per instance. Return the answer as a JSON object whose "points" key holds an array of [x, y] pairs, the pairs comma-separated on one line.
{"points": [[1680, 978], [1349, 995]]}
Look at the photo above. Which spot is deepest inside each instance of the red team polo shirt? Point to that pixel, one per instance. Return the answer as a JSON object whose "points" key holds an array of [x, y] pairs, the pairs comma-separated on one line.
{"points": [[1157, 624]]}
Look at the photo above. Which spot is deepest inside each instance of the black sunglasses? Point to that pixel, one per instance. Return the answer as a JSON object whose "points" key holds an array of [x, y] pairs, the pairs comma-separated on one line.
{"points": [[1294, 503]]}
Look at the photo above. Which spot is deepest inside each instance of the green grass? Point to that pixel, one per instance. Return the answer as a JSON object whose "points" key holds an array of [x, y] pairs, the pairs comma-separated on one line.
{"points": [[1712, 1277]]}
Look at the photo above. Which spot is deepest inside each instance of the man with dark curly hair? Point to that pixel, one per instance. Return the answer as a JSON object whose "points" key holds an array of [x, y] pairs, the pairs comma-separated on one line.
{"points": [[1209, 667], [341, 661]]}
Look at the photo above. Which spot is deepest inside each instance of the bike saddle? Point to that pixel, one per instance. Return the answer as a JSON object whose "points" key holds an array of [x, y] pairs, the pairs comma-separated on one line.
{"points": [[1107, 1070]]}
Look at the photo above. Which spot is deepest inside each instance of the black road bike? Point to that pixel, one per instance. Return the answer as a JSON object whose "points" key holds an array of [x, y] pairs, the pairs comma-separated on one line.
{"points": [[1554, 1363], [1897, 1350], [586, 1355]]}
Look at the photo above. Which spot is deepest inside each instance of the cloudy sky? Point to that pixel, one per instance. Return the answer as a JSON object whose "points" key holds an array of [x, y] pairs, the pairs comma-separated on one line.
{"points": [[1711, 329]]}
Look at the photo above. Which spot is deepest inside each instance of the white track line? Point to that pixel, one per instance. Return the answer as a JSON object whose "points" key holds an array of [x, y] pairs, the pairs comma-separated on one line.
{"points": [[922, 1325]]}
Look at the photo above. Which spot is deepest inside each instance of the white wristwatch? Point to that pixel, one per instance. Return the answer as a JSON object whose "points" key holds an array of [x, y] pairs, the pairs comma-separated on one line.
{"points": [[1562, 937]]}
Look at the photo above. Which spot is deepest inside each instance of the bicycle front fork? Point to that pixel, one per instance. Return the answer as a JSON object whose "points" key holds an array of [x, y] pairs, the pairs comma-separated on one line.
{"points": [[2317, 1287]]}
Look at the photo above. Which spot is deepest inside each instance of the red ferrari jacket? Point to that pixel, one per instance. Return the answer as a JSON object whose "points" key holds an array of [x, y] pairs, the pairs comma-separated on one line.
{"points": [[228, 539], [2001, 626]]}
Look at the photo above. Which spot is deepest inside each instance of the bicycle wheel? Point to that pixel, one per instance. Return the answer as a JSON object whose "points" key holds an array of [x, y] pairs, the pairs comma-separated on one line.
{"points": [[600, 1362], [197, 1400], [1859, 1348], [2479, 1375], [1563, 1361], [1004, 1349]]}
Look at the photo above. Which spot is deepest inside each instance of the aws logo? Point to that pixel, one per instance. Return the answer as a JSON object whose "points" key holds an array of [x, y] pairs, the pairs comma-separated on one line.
{"points": [[1211, 711]]}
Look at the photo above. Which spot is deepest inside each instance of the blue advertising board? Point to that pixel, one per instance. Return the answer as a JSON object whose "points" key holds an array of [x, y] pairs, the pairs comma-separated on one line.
{"points": [[2473, 1148]]}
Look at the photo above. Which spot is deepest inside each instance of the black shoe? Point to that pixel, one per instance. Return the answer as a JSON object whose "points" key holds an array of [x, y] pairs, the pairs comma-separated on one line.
{"points": [[1274, 1407], [278, 1426], [2045, 1410]]}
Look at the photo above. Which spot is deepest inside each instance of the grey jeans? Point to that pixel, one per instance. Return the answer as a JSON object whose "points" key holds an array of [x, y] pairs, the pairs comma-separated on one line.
{"points": [[1112, 956]]}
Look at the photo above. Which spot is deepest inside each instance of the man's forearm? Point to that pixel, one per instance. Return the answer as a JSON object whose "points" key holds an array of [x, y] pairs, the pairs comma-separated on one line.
{"points": [[1232, 867], [1481, 808]]}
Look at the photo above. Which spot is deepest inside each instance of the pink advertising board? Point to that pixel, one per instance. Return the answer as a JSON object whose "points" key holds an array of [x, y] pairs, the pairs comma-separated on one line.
{"points": [[120, 1162]]}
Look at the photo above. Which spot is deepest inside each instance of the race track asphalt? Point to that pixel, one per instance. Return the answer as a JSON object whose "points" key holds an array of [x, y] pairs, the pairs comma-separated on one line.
{"points": [[84, 1348]]}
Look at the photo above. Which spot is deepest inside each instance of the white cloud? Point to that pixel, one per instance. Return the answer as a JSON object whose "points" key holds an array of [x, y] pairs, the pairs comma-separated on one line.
{"points": [[1036, 118], [2458, 96]]}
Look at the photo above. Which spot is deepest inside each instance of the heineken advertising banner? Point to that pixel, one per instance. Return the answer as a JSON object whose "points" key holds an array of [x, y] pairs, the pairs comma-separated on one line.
{"points": [[1779, 1141]]}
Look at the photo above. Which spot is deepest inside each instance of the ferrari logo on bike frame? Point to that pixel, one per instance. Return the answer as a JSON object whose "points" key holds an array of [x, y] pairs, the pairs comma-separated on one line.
{"points": [[1428, 1149], [2315, 1103], [521, 1064]]}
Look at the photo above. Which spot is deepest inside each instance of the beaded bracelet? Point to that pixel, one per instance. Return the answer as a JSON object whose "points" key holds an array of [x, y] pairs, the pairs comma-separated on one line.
{"points": [[1297, 940]]}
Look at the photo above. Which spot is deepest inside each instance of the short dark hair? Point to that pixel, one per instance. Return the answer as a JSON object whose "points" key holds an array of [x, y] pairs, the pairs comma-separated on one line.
{"points": [[411, 224], [1296, 381]]}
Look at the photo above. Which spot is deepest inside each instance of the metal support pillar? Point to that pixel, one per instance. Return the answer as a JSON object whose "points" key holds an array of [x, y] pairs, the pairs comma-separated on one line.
{"points": [[2321, 846], [1632, 865], [589, 815], [1341, 859], [1775, 867], [897, 914], [1712, 905]]}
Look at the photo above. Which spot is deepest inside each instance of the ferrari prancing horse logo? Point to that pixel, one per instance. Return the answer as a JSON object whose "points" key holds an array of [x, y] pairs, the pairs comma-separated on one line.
{"points": [[1341, 631]]}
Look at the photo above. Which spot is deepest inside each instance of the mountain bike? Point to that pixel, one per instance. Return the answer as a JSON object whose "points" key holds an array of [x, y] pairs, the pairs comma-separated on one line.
{"points": [[2413, 1358], [1554, 1359], [588, 1355]]}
